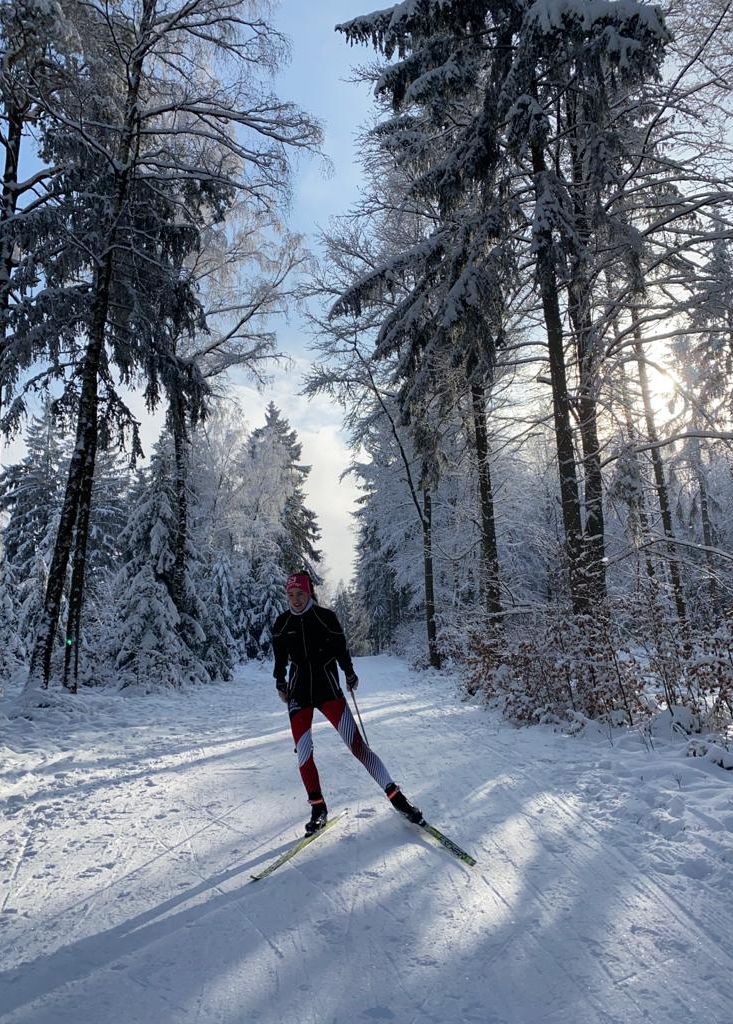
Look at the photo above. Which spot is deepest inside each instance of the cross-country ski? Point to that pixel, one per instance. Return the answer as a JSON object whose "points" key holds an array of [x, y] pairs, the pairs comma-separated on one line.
{"points": [[296, 848]]}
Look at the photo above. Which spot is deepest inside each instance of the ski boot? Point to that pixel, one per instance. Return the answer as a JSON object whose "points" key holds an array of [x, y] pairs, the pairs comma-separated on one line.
{"points": [[319, 817], [402, 804]]}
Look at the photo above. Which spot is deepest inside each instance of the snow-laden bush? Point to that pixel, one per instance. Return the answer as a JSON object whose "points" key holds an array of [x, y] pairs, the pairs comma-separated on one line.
{"points": [[554, 667], [708, 678]]}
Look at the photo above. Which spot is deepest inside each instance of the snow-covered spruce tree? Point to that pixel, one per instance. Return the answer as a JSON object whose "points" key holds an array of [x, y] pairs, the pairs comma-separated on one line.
{"points": [[158, 150], [274, 531], [218, 591], [364, 387], [386, 605], [212, 523], [108, 519], [151, 641], [112, 482], [402, 539], [274, 454], [12, 652], [352, 616], [413, 292], [248, 523], [267, 595], [31, 490], [31, 493], [247, 616]]}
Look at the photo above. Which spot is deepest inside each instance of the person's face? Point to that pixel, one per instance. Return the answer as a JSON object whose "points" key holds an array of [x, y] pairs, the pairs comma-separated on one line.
{"points": [[298, 598]]}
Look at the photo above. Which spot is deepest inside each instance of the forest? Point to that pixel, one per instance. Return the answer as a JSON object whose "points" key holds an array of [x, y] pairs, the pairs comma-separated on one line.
{"points": [[526, 319]]}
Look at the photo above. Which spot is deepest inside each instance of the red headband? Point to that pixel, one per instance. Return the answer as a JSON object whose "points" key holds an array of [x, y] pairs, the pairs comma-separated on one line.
{"points": [[299, 580]]}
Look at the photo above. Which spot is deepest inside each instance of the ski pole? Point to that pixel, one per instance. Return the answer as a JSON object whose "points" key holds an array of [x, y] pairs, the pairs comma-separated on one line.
{"points": [[358, 715]]}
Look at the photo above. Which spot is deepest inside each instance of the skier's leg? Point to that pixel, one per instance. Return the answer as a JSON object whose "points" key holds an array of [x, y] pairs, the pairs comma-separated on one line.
{"points": [[339, 715], [301, 720]]}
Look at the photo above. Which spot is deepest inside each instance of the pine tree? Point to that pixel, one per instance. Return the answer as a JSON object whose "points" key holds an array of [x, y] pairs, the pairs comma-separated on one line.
{"points": [[31, 491], [217, 613], [148, 649], [274, 453], [352, 616], [386, 604], [269, 601], [12, 650], [31, 494], [247, 616], [39, 47], [484, 95]]}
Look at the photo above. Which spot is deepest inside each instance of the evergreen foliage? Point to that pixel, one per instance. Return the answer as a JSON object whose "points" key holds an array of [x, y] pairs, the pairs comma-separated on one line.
{"points": [[154, 641]]}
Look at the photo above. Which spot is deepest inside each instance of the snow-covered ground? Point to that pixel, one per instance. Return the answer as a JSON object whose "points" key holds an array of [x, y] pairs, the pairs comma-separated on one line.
{"points": [[130, 827]]}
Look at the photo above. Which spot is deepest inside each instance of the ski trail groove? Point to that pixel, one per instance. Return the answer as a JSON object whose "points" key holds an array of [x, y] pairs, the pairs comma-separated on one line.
{"points": [[15, 871], [642, 881]]}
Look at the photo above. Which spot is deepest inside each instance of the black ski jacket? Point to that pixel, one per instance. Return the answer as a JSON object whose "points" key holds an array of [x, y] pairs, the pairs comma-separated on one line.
{"points": [[313, 644]]}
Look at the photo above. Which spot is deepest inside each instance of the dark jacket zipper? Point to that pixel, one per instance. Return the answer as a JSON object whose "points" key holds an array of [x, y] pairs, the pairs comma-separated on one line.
{"points": [[305, 651]]}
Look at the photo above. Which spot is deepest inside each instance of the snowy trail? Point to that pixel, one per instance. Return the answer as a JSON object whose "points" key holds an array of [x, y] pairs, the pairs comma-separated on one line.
{"points": [[602, 895]]}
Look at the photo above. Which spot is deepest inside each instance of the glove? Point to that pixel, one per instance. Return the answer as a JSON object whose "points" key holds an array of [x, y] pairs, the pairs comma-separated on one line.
{"points": [[282, 693], [352, 681]]}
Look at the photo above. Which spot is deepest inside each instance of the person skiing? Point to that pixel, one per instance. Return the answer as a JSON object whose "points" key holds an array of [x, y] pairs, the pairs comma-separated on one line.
{"points": [[310, 640]]}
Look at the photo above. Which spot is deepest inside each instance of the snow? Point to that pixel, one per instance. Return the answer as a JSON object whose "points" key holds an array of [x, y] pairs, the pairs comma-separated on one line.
{"points": [[131, 825]]}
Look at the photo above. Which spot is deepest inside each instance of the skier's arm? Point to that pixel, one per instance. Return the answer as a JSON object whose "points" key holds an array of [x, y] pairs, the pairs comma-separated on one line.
{"points": [[340, 648], [280, 651]]}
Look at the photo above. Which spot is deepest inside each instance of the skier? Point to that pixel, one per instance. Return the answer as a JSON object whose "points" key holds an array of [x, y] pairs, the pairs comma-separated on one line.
{"points": [[311, 639]]}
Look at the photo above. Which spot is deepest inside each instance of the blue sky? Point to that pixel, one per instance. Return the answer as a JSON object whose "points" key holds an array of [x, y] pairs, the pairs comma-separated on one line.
{"points": [[317, 79]]}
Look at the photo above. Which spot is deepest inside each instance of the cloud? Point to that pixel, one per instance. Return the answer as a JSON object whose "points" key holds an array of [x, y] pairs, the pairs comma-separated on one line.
{"points": [[332, 499]]}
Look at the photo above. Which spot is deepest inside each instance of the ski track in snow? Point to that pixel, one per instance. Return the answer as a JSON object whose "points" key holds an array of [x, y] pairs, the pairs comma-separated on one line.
{"points": [[131, 826]]}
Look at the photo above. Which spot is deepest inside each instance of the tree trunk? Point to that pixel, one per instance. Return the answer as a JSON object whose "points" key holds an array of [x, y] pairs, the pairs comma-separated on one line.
{"points": [[8, 207], [588, 423], [638, 504], [427, 535], [658, 466], [708, 534], [81, 469], [78, 572], [570, 503], [181, 510], [579, 310], [489, 550]]}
